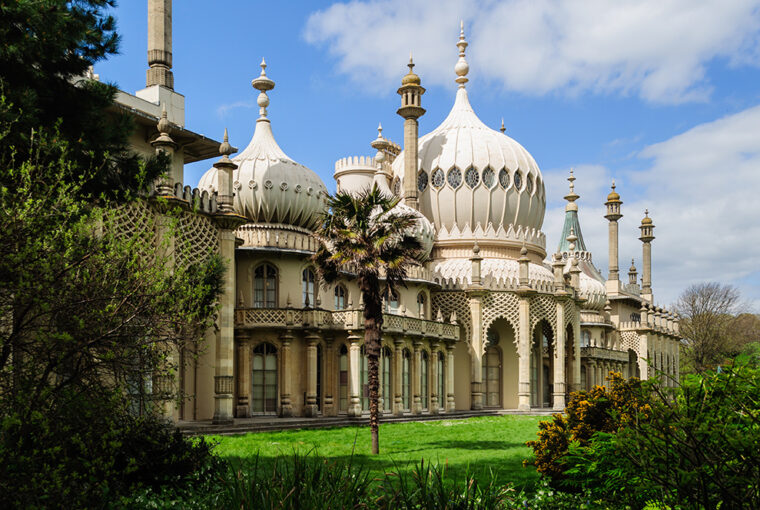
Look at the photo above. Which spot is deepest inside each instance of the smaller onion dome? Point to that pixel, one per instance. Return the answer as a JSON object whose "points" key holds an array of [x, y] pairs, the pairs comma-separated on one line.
{"points": [[646, 220], [269, 187], [410, 78], [613, 196]]}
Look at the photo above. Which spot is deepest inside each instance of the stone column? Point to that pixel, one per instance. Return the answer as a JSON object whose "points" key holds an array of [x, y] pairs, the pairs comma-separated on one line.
{"points": [[591, 374], [433, 405], [286, 405], [223, 373], [523, 394], [354, 406], [329, 378], [476, 369], [159, 44], [312, 408], [577, 351], [416, 378], [450, 403], [559, 360], [243, 409], [398, 369]]}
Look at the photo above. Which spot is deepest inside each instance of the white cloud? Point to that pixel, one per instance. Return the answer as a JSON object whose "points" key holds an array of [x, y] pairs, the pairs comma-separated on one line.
{"points": [[223, 110], [701, 188], [657, 49]]}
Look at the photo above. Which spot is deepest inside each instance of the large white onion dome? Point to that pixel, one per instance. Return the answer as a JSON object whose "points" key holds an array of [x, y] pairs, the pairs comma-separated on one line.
{"points": [[269, 187], [473, 178]]}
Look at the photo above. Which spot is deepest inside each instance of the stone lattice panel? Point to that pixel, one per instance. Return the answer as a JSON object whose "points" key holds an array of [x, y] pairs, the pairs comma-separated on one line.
{"points": [[134, 219], [572, 313], [630, 340], [501, 305], [197, 238], [543, 307], [454, 301]]}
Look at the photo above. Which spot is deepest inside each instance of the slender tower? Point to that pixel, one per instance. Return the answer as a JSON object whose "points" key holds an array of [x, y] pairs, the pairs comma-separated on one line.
{"points": [[411, 110], [647, 236], [160, 44], [613, 204]]}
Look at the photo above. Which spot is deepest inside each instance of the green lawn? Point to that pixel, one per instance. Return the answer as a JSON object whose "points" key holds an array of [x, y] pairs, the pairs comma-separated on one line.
{"points": [[476, 445]]}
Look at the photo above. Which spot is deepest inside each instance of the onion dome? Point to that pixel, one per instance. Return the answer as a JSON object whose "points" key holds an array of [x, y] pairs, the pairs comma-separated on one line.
{"points": [[646, 220], [410, 78], [474, 181], [269, 187], [613, 196]]}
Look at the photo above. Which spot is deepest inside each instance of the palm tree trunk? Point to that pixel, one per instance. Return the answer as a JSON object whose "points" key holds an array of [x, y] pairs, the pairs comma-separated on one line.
{"points": [[373, 321]]}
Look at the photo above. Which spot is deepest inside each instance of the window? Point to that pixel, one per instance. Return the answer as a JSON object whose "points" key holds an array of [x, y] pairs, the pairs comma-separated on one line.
{"points": [[518, 180], [405, 380], [455, 177], [390, 300], [265, 286], [503, 178], [488, 177], [385, 364], [343, 379], [421, 305], [422, 181], [397, 186], [492, 376], [441, 378], [585, 339], [424, 380], [529, 184], [264, 384], [437, 178], [340, 297], [471, 177], [307, 280]]}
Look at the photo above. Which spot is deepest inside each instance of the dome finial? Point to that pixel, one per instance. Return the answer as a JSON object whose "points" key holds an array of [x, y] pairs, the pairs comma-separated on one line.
{"points": [[225, 149], [502, 128], [461, 68], [379, 130], [263, 84], [411, 62], [571, 239], [572, 196]]}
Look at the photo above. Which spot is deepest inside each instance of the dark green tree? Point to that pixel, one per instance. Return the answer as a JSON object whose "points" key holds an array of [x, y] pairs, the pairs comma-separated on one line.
{"points": [[364, 236]]}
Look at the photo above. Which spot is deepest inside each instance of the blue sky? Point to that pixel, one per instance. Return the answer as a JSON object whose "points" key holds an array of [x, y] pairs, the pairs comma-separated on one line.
{"points": [[663, 96]]}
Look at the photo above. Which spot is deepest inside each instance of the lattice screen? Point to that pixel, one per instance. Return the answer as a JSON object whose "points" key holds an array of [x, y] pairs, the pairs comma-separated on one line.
{"points": [[543, 307], [134, 219], [453, 301], [630, 340], [196, 239], [501, 305]]}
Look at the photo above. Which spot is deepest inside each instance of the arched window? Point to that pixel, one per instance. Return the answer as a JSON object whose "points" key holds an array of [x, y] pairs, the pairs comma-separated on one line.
{"points": [[390, 300], [492, 371], [340, 297], [343, 379], [424, 364], [264, 390], [265, 286], [441, 380], [307, 285], [387, 358], [405, 380], [421, 308], [585, 339]]}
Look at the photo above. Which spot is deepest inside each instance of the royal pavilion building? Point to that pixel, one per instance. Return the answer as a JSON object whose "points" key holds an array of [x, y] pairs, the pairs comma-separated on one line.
{"points": [[489, 320]]}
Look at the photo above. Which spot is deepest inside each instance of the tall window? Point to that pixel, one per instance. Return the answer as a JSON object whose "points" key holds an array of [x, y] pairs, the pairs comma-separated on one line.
{"points": [[265, 286], [340, 297], [441, 379], [424, 380], [421, 305], [585, 339], [386, 371], [390, 300], [264, 394], [405, 380], [343, 379], [307, 280]]}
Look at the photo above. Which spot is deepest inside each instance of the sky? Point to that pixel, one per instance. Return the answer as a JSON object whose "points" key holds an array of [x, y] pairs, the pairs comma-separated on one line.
{"points": [[661, 95]]}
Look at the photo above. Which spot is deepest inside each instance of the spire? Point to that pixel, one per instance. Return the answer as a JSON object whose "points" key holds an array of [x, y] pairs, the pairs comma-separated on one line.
{"points": [[263, 84], [461, 68], [572, 224], [502, 128]]}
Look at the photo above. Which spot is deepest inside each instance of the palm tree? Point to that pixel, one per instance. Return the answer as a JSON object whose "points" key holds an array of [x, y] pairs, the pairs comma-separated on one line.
{"points": [[364, 235]]}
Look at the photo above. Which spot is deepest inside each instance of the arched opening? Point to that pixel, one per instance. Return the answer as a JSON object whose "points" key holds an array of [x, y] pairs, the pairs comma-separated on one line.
{"points": [[390, 301], [542, 365], [424, 365], [264, 379], [340, 297], [385, 362], [309, 298], [633, 364], [405, 380], [421, 306], [492, 370], [265, 286], [343, 379]]}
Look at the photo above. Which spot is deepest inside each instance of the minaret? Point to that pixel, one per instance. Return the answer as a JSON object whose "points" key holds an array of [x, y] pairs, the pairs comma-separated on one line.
{"points": [[411, 110], [160, 44], [633, 275], [613, 215], [647, 236], [571, 221]]}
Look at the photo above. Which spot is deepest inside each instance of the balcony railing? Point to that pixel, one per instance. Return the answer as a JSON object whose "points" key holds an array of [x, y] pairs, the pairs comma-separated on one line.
{"points": [[255, 318]]}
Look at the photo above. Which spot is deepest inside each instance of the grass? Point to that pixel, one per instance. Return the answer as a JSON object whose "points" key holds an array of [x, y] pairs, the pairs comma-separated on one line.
{"points": [[478, 446]]}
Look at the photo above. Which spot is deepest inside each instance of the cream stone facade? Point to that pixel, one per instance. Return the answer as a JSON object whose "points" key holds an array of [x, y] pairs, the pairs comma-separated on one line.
{"points": [[487, 321]]}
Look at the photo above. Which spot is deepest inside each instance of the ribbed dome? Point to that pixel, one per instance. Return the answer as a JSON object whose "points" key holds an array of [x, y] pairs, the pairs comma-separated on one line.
{"points": [[473, 175], [269, 187]]}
